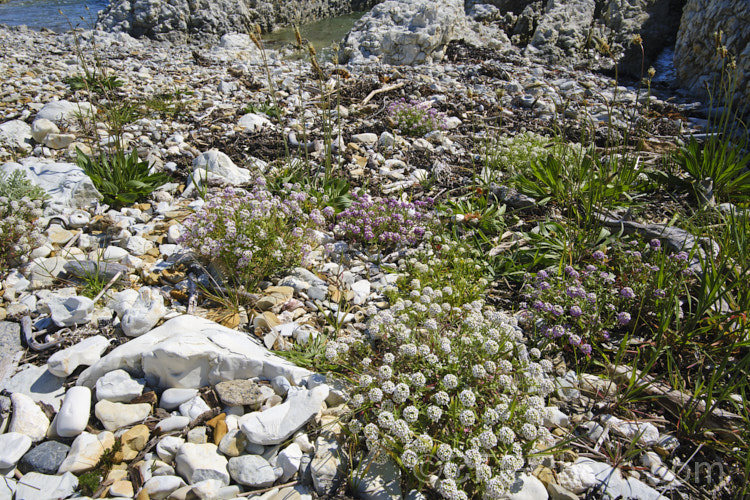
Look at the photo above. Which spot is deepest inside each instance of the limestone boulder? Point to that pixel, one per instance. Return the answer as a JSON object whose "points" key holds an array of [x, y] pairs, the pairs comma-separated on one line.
{"points": [[191, 352]]}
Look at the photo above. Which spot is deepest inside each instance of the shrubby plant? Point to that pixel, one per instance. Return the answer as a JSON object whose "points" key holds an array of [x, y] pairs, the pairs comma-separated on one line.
{"points": [[415, 118], [249, 235], [20, 231], [384, 223], [15, 186], [451, 393], [444, 262], [630, 289]]}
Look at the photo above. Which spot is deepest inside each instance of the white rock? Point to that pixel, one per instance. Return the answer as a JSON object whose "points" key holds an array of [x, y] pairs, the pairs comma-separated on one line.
{"points": [[189, 351], [194, 408], [276, 424], [198, 462], [73, 416], [7, 489], [59, 141], [173, 398], [59, 111], [138, 245], [160, 487], [119, 387], [70, 311], [86, 352], [35, 486], [553, 417], [41, 127], [168, 447], [219, 167], [527, 487], [253, 471], [252, 122], [367, 139], [289, 460], [16, 134], [28, 418], [211, 489], [114, 416], [326, 467], [86, 451], [65, 183], [145, 312], [376, 481], [172, 424], [613, 483], [122, 301], [577, 478], [646, 432], [303, 441], [13, 446], [361, 291]]}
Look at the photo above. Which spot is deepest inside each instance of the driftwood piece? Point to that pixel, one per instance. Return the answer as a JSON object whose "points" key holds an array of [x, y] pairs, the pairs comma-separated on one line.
{"points": [[676, 400], [380, 91], [28, 336]]}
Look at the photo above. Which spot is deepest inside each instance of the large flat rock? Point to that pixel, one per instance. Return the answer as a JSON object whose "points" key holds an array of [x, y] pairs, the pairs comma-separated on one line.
{"points": [[189, 351]]}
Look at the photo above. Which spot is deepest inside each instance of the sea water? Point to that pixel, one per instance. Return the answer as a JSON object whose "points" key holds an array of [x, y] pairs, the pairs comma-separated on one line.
{"points": [[38, 14]]}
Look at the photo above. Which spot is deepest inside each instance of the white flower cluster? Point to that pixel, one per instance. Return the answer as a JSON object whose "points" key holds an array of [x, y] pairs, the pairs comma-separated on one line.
{"points": [[20, 229], [462, 402]]}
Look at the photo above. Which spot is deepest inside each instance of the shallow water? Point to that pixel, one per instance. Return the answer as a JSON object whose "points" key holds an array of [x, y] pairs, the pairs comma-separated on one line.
{"points": [[320, 33], [38, 14]]}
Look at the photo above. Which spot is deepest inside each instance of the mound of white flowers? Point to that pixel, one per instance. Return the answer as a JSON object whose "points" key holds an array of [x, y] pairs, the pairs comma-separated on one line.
{"points": [[451, 393]]}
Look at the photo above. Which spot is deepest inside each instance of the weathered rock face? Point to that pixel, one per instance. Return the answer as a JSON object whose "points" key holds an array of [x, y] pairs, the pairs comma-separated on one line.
{"points": [[696, 59], [567, 31], [175, 20], [405, 32]]}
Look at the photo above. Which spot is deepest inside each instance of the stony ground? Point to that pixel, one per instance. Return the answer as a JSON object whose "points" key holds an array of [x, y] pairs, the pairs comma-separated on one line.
{"points": [[193, 99]]}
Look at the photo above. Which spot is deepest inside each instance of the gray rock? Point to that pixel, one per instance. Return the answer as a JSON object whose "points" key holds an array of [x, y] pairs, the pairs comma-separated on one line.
{"points": [[36, 486], [39, 383], [405, 32], [10, 344], [41, 128], [216, 167], [695, 55], [16, 134], [240, 393], [44, 458], [252, 470]]}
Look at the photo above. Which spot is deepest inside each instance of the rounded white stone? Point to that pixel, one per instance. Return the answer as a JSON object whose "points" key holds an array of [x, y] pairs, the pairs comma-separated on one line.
{"points": [[118, 386], [28, 418], [74, 413], [172, 398]]}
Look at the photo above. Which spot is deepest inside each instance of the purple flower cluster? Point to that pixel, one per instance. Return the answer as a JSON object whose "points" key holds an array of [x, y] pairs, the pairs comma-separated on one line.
{"points": [[385, 223], [250, 235], [415, 118], [583, 305]]}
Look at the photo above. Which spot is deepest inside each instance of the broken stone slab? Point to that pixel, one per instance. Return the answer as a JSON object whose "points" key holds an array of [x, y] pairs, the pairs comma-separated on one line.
{"points": [[86, 352], [192, 352], [39, 383], [70, 311], [88, 269], [277, 424], [36, 486]]}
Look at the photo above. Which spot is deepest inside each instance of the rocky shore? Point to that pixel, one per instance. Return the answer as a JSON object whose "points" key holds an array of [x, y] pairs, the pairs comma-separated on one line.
{"points": [[182, 398]]}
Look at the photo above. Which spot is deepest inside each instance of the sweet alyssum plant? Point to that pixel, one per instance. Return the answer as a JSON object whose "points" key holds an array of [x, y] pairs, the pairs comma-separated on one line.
{"points": [[415, 118], [451, 393], [251, 234]]}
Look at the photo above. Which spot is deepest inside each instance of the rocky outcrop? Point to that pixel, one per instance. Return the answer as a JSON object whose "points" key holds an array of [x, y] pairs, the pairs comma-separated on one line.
{"points": [[176, 20], [405, 32], [696, 59], [570, 31]]}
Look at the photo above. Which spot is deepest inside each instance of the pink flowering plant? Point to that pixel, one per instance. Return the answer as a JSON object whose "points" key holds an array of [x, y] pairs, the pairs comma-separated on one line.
{"points": [[384, 223], [631, 290], [449, 393], [415, 118], [249, 235]]}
